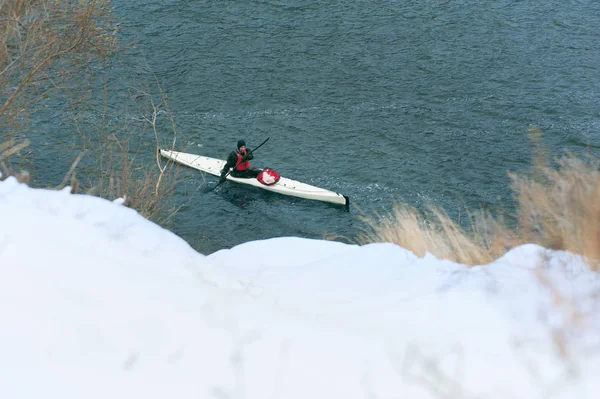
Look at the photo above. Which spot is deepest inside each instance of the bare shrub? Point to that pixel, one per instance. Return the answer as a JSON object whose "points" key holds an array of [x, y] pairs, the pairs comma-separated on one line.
{"points": [[60, 53], [9, 148], [123, 160], [43, 44]]}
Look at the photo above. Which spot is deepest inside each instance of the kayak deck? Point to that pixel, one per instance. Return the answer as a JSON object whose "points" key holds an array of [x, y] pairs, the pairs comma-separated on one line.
{"points": [[284, 186]]}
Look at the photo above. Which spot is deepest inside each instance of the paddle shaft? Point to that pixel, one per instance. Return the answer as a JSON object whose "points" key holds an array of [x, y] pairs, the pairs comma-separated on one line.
{"points": [[249, 152]]}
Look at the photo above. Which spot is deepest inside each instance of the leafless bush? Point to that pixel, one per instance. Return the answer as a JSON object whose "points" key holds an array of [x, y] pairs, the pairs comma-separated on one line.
{"points": [[57, 52], [43, 44], [7, 149], [123, 160]]}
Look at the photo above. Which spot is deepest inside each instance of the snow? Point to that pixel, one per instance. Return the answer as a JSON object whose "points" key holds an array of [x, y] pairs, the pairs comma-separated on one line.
{"points": [[97, 302]]}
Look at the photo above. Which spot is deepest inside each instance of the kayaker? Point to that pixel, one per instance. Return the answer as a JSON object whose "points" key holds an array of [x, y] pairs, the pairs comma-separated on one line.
{"points": [[239, 159]]}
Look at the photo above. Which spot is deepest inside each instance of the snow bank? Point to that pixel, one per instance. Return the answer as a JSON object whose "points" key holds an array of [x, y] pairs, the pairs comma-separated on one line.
{"points": [[96, 302]]}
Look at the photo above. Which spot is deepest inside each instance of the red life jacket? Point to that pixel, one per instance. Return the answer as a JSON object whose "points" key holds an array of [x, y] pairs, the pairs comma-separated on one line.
{"points": [[241, 165]]}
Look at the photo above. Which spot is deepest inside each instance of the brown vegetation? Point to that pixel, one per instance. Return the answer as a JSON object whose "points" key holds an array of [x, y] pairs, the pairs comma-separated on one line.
{"points": [[52, 52], [43, 44], [557, 207], [124, 161], [435, 232]]}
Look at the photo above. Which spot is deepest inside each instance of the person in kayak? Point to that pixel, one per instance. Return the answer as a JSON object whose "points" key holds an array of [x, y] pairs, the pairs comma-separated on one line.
{"points": [[239, 160]]}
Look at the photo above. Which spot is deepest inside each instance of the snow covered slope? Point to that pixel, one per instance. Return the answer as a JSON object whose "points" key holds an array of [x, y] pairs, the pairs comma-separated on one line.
{"points": [[97, 302]]}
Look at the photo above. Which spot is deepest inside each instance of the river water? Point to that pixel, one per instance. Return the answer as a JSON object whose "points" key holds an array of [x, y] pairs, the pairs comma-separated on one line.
{"points": [[384, 101]]}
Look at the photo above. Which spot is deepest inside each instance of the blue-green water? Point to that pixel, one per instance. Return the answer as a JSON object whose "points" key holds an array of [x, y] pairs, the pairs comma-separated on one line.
{"points": [[384, 101]]}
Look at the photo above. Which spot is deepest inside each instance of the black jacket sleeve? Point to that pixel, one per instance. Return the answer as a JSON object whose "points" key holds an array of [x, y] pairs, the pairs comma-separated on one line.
{"points": [[231, 162]]}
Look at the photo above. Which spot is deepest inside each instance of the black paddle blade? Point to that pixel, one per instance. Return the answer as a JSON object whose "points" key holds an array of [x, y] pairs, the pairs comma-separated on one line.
{"points": [[210, 188]]}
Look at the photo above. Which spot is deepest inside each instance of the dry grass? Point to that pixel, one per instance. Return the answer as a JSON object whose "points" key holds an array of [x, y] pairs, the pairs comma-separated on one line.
{"points": [[562, 210], [435, 232], [557, 207]]}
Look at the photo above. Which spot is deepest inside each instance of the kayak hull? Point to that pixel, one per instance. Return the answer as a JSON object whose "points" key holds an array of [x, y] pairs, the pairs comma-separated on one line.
{"points": [[284, 186]]}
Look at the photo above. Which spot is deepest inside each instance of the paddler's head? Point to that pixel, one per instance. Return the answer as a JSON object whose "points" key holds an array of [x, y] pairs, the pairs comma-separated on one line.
{"points": [[241, 145]]}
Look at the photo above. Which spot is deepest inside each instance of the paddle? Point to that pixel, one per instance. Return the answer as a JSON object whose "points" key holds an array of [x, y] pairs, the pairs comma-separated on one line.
{"points": [[249, 152]]}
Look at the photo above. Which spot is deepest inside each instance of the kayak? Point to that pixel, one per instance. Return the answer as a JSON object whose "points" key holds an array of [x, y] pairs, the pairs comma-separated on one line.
{"points": [[284, 186]]}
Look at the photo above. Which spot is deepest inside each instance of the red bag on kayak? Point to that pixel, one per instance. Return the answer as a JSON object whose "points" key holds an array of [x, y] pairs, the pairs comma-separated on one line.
{"points": [[268, 177]]}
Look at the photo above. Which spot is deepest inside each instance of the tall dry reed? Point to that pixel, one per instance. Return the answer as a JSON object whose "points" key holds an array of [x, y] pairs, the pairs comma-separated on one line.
{"points": [[558, 207], [435, 232]]}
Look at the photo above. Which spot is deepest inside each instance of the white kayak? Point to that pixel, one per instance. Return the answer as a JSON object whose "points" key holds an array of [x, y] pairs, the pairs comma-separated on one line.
{"points": [[283, 186]]}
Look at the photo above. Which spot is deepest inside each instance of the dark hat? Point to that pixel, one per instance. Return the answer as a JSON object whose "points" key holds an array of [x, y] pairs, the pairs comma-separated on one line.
{"points": [[241, 143]]}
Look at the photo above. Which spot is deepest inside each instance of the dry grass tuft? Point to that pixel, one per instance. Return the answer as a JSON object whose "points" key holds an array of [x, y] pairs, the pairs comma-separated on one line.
{"points": [[558, 208], [436, 233]]}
